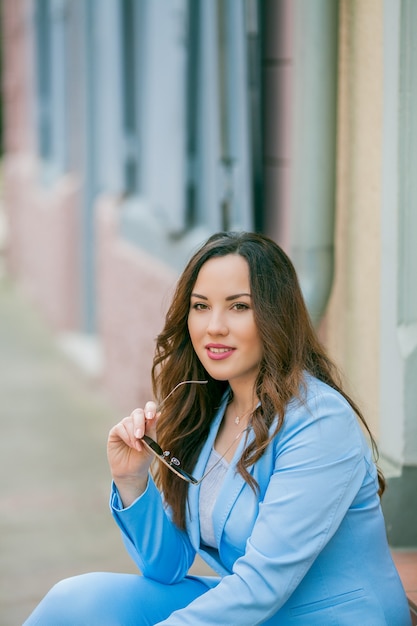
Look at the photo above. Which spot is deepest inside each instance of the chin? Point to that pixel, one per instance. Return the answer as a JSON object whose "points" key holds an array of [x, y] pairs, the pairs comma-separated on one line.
{"points": [[216, 375]]}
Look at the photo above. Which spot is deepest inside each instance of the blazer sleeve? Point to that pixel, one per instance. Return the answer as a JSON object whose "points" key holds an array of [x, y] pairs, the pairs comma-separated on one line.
{"points": [[159, 548], [319, 467]]}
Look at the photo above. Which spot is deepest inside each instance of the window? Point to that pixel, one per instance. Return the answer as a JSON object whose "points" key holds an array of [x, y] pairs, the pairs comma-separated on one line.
{"points": [[190, 115], [220, 104], [43, 75], [130, 56], [50, 59]]}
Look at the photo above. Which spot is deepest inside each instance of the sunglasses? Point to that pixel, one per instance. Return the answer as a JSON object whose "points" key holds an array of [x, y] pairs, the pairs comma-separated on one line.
{"points": [[171, 461]]}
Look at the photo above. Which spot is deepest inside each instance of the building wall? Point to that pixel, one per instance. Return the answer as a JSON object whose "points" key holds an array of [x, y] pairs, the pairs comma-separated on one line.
{"points": [[132, 297], [17, 78], [43, 251], [353, 319], [42, 219], [278, 68]]}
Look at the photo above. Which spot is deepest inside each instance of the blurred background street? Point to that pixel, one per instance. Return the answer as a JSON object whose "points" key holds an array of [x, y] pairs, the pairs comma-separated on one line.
{"points": [[54, 517]]}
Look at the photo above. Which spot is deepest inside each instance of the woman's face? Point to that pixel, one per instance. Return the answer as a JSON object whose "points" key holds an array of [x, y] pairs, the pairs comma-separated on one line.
{"points": [[221, 321]]}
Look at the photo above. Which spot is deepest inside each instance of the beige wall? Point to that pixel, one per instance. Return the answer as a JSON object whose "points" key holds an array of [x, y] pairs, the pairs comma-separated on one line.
{"points": [[352, 320]]}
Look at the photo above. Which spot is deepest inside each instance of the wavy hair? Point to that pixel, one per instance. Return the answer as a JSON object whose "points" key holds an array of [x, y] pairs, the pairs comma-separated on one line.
{"points": [[290, 348]]}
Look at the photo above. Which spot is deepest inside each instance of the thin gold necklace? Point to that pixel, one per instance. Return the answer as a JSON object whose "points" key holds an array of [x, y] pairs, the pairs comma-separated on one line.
{"points": [[239, 418]]}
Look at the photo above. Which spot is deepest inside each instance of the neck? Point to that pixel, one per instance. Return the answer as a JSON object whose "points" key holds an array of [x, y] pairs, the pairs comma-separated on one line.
{"points": [[239, 411]]}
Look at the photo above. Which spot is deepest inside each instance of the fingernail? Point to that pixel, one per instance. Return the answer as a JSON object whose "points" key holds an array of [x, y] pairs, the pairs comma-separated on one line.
{"points": [[149, 415], [139, 433]]}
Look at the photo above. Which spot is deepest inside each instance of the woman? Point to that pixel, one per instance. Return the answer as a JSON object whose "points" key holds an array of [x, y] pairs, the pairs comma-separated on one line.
{"points": [[269, 477]]}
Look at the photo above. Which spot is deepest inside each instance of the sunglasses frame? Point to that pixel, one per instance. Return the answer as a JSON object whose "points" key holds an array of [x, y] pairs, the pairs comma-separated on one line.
{"points": [[156, 450], [174, 465]]}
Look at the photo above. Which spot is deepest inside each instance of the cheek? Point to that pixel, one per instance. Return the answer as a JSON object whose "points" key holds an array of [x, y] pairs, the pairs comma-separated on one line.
{"points": [[253, 333], [257, 347]]}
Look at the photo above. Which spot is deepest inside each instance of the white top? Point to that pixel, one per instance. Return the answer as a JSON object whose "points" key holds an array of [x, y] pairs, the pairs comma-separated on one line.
{"points": [[209, 490]]}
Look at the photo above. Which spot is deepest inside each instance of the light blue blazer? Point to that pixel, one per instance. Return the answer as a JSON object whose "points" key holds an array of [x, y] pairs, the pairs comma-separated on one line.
{"points": [[309, 549]]}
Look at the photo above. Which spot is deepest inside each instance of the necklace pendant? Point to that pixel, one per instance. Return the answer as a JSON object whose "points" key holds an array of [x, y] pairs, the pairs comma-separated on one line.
{"points": [[237, 419]]}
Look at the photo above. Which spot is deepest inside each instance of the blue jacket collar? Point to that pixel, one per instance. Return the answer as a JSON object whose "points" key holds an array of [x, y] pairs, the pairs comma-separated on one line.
{"points": [[230, 489]]}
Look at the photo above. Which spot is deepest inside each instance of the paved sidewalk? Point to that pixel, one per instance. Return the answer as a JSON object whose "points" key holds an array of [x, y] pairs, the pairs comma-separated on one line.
{"points": [[54, 480]]}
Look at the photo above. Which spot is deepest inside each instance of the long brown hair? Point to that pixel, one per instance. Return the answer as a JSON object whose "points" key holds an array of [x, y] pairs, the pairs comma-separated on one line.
{"points": [[290, 348]]}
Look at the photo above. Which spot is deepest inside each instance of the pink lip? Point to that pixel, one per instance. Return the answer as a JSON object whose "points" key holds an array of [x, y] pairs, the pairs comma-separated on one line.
{"points": [[225, 351]]}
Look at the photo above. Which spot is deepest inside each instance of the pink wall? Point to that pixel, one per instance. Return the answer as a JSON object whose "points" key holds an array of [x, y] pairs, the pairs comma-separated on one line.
{"points": [[16, 68], [43, 240], [133, 293], [42, 250]]}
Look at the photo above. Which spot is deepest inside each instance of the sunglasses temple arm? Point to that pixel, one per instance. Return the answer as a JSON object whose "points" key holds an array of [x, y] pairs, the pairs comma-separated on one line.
{"points": [[184, 382]]}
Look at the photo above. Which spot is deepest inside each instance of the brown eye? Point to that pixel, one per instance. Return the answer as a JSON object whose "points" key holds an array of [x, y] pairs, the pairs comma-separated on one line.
{"points": [[240, 306]]}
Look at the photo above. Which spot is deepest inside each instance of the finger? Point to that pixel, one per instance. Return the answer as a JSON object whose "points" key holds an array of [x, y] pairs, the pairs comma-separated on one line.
{"points": [[151, 417], [123, 431], [132, 425], [133, 428], [150, 410], [138, 423]]}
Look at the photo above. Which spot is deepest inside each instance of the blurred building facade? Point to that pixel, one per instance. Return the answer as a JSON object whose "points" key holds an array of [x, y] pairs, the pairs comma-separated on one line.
{"points": [[133, 129]]}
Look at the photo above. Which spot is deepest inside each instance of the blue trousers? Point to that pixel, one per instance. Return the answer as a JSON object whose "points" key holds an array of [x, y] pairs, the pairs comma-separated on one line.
{"points": [[106, 599]]}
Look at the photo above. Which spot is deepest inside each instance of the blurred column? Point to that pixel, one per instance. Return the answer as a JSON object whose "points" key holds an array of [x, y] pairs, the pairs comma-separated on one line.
{"points": [[398, 348]]}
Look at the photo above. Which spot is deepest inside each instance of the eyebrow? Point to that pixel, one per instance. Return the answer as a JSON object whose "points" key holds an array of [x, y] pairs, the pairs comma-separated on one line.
{"points": [[234, 297]]}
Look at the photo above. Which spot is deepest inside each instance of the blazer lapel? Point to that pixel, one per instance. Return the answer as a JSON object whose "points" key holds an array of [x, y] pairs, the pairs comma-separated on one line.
{"points": [[193, 517], [230, 489]]}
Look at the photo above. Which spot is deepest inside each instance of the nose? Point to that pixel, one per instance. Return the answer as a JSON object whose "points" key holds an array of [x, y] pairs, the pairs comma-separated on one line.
{"points": [[217, 324]]}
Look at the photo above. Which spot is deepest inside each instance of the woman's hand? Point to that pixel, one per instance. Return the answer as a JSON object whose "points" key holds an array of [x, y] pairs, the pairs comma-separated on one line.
{"points": [[128, 458]]}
